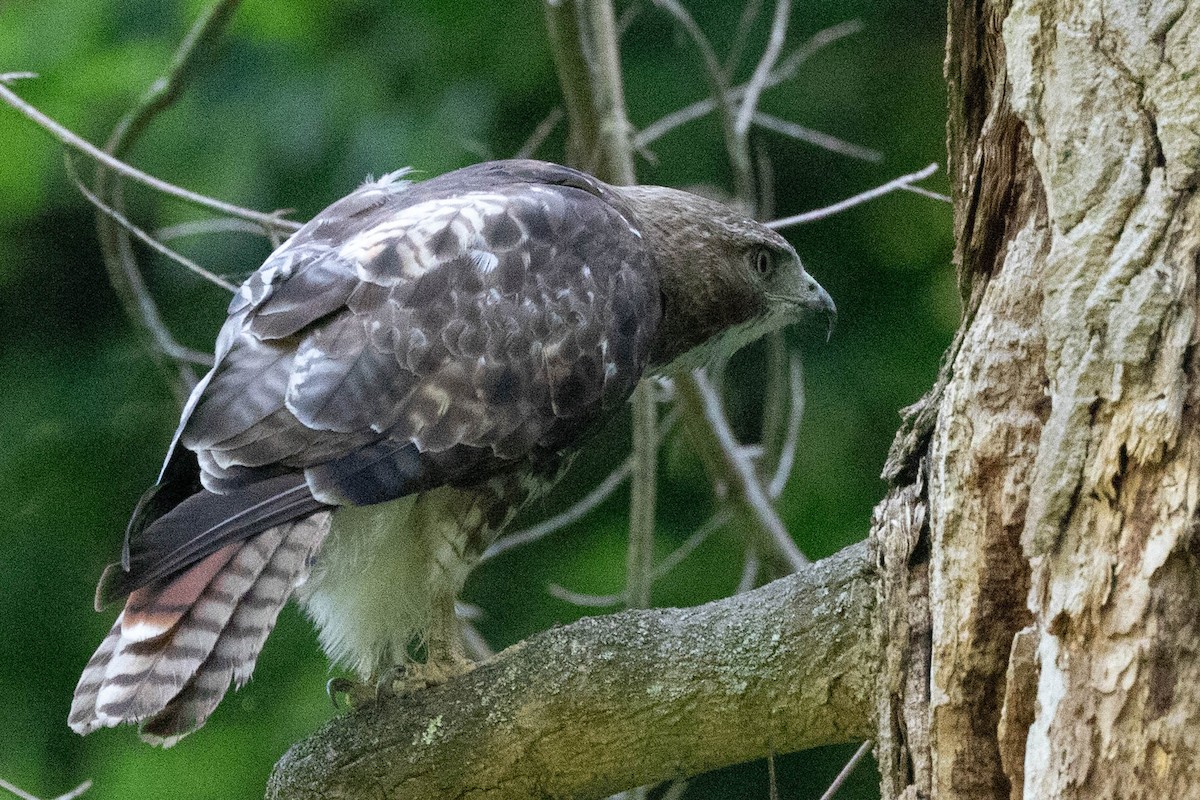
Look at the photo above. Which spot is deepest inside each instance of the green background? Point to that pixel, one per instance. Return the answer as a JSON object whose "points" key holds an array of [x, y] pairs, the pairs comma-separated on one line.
{"points": [[297, 105]]}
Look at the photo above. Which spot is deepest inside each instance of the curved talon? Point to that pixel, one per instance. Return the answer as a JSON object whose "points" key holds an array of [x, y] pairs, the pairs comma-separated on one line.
{"points": [[340, 686]]}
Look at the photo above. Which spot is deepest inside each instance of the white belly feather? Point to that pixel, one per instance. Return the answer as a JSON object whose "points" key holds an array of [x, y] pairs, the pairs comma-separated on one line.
{"points": [[380, 571]]}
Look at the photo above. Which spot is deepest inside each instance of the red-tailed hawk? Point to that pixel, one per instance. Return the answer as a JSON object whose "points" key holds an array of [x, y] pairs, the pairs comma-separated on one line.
{"points": [[391, 385]]}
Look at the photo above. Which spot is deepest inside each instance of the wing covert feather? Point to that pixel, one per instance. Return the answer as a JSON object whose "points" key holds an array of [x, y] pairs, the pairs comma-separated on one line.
{"points": [[503, 309]]}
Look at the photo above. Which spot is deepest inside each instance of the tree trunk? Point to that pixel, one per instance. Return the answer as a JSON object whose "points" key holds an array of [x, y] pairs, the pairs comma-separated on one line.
{"points": [[1057, 461]]}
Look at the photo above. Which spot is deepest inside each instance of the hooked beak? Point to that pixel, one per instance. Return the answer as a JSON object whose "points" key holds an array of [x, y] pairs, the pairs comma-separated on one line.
{"points": [[822, 303], [813, 297]]}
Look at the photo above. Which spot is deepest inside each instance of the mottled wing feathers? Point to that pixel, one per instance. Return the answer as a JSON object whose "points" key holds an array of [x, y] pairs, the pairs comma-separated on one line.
{"points": [[503, 307]]}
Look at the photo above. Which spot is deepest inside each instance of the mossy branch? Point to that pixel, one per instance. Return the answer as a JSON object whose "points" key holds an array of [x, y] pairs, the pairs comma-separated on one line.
{"points": [[630, 699]]}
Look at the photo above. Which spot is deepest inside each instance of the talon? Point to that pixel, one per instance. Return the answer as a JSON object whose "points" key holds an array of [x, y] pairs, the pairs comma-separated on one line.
{"points": [[357, 694]]}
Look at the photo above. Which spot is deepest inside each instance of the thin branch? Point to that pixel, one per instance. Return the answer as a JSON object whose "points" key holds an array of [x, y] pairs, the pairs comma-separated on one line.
{"points": [[147, 312], [786, 70], [598, 36], [822, 140], [762, 72], [541, 133], [927, 193], [580, 508], [21, 793], [576, 512], [477, 646], [723, 99], [674, 559], [116, 248], [204, 227], [639, 560], [742, 35], [584, 600], [750, 569], [787, 453], [626, 20], [677, 556], [630, 699], [729, 459], [850, 202], [144, 237], [846, 770], [91, 151]]}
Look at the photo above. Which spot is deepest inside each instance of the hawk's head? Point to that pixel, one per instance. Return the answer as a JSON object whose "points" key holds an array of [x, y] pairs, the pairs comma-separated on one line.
{"points": [[725, 279]]}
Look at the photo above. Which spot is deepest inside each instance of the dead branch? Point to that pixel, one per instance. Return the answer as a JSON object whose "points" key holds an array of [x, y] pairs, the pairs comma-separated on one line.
{"points": [[73, 140], [856, 200]]}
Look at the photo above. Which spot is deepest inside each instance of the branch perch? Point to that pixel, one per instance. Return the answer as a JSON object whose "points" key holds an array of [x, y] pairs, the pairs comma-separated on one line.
{"points": [[624, 700]]}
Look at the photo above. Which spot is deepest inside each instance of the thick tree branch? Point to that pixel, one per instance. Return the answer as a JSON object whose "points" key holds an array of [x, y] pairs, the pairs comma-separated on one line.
{"points": [[625, 700]]}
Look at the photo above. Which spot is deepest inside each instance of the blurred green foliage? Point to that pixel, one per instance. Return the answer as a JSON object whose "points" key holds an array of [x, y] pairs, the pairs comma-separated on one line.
{"points": [[299, 103]]}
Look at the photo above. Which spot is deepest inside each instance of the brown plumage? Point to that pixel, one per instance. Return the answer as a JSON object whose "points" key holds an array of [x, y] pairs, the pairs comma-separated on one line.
{"points": [[391, 385]]}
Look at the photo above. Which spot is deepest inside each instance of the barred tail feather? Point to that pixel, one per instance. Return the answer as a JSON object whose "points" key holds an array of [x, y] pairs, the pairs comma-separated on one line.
{"points": [[168, 661], [82, 718], [233, 657]]}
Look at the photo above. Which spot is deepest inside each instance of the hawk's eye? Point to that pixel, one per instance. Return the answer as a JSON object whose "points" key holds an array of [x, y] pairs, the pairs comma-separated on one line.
{"points": [[764, 262]]}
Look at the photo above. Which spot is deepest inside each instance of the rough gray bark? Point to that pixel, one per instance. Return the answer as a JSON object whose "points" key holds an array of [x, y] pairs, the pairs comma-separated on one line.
{"points": [[630, 699], [1060, 445]]}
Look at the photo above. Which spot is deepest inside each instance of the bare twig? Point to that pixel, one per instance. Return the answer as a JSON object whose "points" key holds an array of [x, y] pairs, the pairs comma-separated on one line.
{"points": [[203, 227], [762, 72], [787, 453], [639, 561], [625, 21], [786, 69], [676, 557], [583, 134], [576, 512], [822, 140], [477, 646], [850, 202], [24, 795], [585, 600], [120, 259], [742, 35], [726, 455], [541, 133], [91, 151], [723, 99], [927, 193], [583, 38], [674, 791], [144, 237], [598, 37], [846, 770], [750, 569]]}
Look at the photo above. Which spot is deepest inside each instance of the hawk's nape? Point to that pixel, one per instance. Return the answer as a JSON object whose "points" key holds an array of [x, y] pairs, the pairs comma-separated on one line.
{"points": [[394, 382]]}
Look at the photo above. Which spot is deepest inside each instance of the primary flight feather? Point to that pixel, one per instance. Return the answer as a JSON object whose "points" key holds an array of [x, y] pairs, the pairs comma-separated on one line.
{"points": [[395, 381]]}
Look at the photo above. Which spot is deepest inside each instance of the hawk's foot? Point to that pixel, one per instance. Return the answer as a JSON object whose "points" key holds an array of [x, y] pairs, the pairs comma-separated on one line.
{"points": [[357, 693], [412, 677]]}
